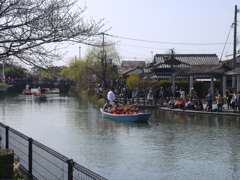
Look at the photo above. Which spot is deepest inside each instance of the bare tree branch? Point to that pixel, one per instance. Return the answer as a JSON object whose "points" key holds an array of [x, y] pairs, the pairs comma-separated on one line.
{"points": [[28, 27]]}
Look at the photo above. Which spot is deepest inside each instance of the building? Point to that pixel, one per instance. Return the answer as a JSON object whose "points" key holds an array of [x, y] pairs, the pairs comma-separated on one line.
{"points": [[188, 66], [168, 65], [135, 70]]}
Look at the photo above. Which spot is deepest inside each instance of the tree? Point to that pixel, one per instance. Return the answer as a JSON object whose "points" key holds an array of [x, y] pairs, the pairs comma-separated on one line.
{"points": [[29, 28], [15, 72], [133, 81], [52, 72], [77, 71], [101, 60]]}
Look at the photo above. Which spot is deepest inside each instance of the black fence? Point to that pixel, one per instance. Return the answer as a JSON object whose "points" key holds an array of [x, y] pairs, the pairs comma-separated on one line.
{"points": [[40, 161]]}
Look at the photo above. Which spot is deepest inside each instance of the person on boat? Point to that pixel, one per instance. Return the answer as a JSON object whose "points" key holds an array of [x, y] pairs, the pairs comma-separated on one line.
{"points": [[27, 87], [134, 110], [43, 90], [110, 107], [111, 96], [39, 90], [128, 109], [106, 106], [125, 108], [113, 110], [117, 108]]}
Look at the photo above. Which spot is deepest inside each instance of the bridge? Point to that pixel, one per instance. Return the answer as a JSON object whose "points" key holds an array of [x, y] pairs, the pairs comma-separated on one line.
{"points": [[63, 85]]}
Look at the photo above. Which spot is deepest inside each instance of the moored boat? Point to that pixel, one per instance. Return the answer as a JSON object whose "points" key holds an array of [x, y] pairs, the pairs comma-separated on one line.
{"points": [[39, 97], [27, 92], [140, 117]]}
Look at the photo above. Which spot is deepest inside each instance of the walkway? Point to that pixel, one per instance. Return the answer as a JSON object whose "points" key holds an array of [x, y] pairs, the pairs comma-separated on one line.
{"points": [[224, 112]]}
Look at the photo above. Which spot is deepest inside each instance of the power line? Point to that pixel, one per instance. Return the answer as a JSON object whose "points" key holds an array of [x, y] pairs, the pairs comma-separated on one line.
{"points": [[226, 42], [159, 42]]}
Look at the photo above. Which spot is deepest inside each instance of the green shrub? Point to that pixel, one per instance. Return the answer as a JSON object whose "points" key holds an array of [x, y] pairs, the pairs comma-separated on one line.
{"points": [[3, 85]]}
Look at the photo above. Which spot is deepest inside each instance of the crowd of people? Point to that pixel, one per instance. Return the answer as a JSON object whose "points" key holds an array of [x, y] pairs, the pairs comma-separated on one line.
{"points": [[112, 106], [177, 97], [231, 98], [180, 103], [119, 109]]}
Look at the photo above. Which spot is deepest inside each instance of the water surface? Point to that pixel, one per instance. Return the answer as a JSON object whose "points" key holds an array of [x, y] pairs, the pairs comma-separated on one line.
{"points": [[170, 146]]}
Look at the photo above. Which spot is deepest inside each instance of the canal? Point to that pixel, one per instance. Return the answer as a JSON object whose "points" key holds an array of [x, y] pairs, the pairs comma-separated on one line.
{"points": [[170, 146]]}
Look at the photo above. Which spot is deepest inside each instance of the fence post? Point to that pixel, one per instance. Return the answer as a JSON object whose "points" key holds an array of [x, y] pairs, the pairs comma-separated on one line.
{"points": [[30, 141], [7, 137], [70, 169]]}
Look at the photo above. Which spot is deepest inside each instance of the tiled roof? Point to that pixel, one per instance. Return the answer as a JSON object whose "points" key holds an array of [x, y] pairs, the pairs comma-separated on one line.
{"points": [[160, 60], [183, 64], [131, 64], [129, 70]]}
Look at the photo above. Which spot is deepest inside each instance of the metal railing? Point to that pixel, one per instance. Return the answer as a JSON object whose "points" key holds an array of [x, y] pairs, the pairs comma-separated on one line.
{"points": [[40, 161]]}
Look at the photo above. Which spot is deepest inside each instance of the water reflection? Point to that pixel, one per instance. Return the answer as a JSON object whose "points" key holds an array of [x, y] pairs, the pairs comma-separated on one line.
{"points": [[194, 119], [173, 145]]}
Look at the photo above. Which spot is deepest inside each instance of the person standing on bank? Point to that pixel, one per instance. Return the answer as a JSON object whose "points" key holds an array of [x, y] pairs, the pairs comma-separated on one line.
{"points": [[182, 93], [191, 94], [161, 94], [209, 98], [234, 101], [219, 101], [238, 101], [137, 95], [111, 96]]}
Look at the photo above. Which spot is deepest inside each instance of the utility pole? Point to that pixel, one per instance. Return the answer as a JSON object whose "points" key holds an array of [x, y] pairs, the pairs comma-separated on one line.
{"points": [[104, 64], [79, 52], [235, 38], [75, 67]]}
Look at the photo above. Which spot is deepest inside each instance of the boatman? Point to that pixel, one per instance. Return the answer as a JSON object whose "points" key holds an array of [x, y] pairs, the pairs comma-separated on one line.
{"points": [[106, 106], [27, 87], [111, 96], [39, 90]]}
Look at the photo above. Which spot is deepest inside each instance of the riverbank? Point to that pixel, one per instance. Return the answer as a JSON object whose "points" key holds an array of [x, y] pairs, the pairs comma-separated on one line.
{"points": [[143, 105], [225, 111]]}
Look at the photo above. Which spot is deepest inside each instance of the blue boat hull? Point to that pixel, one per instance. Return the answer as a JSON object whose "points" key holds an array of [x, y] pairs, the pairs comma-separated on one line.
{"points": [[141, 117], [40, 98]]}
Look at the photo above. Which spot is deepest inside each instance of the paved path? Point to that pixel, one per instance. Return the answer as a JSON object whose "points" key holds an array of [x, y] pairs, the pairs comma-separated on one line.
{"points": [[224, 112], [153, 106]]}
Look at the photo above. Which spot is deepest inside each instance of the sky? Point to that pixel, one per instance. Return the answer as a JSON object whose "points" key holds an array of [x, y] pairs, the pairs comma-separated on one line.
{"points": [[143, 28]]}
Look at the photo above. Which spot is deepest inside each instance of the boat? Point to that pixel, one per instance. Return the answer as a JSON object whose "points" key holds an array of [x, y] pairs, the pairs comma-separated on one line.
{"points": [[39, 97], [140, 117], [50, 90], [27, 92]]}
